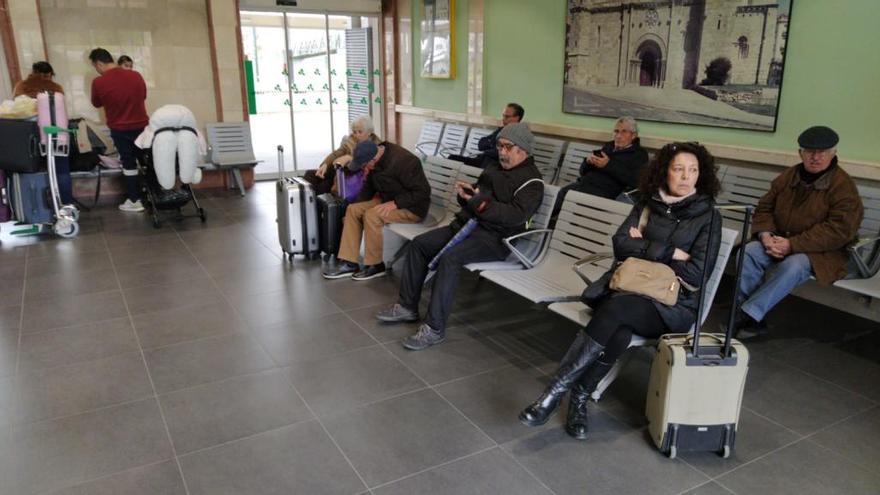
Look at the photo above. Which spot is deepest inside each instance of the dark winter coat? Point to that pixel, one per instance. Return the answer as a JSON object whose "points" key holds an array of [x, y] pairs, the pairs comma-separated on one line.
{"points": [[510, 199], [621, 174], [819, 219], [684, 225], [398, 177]]}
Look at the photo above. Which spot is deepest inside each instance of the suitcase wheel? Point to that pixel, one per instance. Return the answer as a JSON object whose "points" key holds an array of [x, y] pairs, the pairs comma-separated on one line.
{"points": [[724, 452], [672, 452]]}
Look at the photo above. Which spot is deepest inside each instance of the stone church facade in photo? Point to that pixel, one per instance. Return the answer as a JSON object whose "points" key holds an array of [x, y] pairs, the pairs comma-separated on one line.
{"points": [[669, 43]]}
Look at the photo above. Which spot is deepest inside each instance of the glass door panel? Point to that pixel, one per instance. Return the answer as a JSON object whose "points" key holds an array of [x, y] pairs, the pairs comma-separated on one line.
{"points": [[263, 42]]}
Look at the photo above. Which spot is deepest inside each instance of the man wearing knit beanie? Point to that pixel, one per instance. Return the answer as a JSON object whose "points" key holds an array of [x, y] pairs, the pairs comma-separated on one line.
{"points": [[498, 205]]}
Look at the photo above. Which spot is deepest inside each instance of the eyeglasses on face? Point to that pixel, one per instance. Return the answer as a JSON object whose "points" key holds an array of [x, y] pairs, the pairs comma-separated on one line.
{"points": [[504, 146]]}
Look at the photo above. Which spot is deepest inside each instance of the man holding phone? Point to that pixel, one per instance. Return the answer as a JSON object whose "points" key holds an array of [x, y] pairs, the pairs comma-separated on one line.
{"points": [[614, 168], [505, 197]]}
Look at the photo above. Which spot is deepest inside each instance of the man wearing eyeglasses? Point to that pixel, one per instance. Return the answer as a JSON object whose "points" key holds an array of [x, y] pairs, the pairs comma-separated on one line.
{"points": [[512, 114], [505, 197], [614, 168], [801, 227]]}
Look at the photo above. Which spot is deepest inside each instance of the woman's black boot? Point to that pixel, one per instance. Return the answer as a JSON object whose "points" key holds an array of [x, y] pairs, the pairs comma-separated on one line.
{"points": [[576, 422], [570, 369]]}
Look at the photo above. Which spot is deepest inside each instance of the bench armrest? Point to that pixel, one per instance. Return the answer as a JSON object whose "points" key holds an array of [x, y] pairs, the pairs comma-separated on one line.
{"points": [[589, 260], [528, 263]]}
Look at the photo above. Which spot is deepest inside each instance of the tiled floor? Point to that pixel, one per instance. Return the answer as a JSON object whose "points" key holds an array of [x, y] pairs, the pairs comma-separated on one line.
{"points": [[193, 359]]}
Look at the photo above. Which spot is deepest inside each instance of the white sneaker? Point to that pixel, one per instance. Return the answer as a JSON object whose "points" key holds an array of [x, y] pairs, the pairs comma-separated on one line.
{"points": [[136, 206]]}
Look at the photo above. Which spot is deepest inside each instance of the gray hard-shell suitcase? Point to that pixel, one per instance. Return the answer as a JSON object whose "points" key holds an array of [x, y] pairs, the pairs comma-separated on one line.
{"points": [[297, 214]]}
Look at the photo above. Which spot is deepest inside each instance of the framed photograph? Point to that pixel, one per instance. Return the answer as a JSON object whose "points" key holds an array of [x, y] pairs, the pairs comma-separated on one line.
{"points": [[717, 63], [438, 39]]}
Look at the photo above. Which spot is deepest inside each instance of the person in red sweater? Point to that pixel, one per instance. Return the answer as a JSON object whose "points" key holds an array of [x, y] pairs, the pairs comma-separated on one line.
{"points": [[122, 93]]}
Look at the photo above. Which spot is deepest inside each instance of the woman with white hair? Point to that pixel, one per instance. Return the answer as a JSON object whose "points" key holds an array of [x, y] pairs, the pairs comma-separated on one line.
{"points": [[322, 178]]}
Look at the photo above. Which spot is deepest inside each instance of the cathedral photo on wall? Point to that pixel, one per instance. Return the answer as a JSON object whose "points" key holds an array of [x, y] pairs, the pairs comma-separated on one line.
{"points": [[706, 62]]}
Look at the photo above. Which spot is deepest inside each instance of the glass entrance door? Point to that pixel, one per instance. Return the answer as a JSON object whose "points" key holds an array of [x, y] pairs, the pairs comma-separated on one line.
{"points": [[313, 74]]}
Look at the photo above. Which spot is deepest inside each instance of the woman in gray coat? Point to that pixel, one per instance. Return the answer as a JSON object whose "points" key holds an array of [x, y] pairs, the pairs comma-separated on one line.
{"points": [[679, 189]]}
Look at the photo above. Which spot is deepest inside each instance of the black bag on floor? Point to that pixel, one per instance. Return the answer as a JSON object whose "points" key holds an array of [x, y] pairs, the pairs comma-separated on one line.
{"points": [[331, 211]]}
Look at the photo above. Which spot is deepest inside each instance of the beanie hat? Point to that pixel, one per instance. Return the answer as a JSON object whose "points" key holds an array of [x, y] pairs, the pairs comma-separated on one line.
{"points": [[518, 134]]}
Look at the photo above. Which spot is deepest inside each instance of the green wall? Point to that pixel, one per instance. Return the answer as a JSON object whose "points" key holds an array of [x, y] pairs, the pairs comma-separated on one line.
{"points": [[442, 94], [832, 74]]}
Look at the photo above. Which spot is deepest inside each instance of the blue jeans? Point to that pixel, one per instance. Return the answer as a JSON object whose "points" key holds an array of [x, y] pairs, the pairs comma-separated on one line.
{"points": [[128, 153], [766, 280]]}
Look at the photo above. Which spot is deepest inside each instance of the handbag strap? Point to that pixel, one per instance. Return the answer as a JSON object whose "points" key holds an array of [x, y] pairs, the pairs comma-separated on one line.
{"points": [[643, 218]]}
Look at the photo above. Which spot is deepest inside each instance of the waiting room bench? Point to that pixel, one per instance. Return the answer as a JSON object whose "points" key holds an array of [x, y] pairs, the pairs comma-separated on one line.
{"points": [[471, 148], [230, 148], [584, 227]]}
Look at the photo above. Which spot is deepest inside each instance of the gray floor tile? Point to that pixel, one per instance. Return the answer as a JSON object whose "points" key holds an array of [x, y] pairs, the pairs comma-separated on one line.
{"points": [[279, 306], [493, 400], [338, 383], [74, 310], [71, 345], [203, 361], [272, 463], [155, 479], [216, 413], [56, 454], [45, 289], [488, 472], [84, 243], [855, 439], [383, 332], [165, 297], [224, 264], [350, 294], [161, 272], [797, 400], [7, 401], [8, 351], [173, 326], [391, 439], [68, 263], [262, 280], [310, 340], [605, 463], [803, 468], [851, 372], [68, 390], [151, 249], [710, 488], [10, 317], [464, 353], [755, 437], [11, 292]]}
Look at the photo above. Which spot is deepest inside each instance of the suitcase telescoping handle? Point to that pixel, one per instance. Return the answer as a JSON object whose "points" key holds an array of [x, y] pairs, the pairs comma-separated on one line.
{"points": [[728, 337], [280, 162]]}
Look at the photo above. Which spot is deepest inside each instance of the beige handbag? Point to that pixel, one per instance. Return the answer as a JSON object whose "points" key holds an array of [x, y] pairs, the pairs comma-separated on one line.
{"points": [[648, 278]]}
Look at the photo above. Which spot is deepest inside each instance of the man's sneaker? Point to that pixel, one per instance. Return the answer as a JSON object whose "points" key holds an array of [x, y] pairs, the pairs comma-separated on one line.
{"points": [[397, 314], [424, 338], [369, 272], [341, 270], [136, 206]]}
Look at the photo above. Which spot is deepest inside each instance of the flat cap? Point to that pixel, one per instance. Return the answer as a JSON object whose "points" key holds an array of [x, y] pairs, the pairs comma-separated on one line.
{"points": [[818, 138]]}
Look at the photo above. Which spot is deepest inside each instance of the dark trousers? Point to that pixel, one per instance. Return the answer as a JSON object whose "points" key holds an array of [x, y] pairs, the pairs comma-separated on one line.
{"points": [[128, 154], [481, 245], [618, 318]]}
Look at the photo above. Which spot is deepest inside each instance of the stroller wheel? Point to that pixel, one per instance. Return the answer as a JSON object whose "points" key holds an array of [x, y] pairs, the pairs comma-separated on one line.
{"points": [[71, 212]]}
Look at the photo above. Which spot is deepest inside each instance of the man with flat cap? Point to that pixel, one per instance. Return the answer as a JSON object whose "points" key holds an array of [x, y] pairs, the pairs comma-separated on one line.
{"points": [[395, 191], [500, 204], [802, 227]]}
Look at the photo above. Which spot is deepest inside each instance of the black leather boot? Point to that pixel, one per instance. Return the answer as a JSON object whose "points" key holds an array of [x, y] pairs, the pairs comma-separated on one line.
{"points": [[573, 364], [576, 422]]}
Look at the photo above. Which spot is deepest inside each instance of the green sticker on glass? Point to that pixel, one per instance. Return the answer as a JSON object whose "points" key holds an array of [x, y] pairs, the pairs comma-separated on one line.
{"points": [[363, 100], [310, 88], [333, 101], [277, 87], [301, 72], [349, 101], [287, 103], [348, 72], [355, 86], [325, 87], [341, 87], [332, 72], [371, 87], [319, 102], [362, 72], [303, 102], [377, 100], [317, 72], [376, 72]]}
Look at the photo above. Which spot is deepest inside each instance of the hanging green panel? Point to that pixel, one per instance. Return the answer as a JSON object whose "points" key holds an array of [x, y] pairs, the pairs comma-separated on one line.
{"points": [[249, 87]]}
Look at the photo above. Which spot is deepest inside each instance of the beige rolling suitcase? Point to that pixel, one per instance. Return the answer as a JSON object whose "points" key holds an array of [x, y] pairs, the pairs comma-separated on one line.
{"points": [[696, 385], [693, 402]]}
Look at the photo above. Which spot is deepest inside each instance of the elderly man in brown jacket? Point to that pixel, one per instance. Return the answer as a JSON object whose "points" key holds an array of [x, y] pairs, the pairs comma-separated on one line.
{"points": [[802, 227]]}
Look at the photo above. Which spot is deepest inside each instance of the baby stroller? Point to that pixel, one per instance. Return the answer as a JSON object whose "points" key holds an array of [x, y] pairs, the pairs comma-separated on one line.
{"points": [[159, 201]]}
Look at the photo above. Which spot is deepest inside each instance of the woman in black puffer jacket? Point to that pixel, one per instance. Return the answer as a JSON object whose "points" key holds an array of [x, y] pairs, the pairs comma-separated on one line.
{"points": [[679, 188]]}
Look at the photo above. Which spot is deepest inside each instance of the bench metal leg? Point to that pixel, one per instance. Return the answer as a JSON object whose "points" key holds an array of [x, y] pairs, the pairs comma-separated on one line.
{"points": [[236, 177]]}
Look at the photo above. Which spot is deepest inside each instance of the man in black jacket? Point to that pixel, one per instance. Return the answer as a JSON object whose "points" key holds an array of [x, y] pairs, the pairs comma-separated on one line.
{"points": [[395, 191], [613, 169], [505, 197], [513, 113]]}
